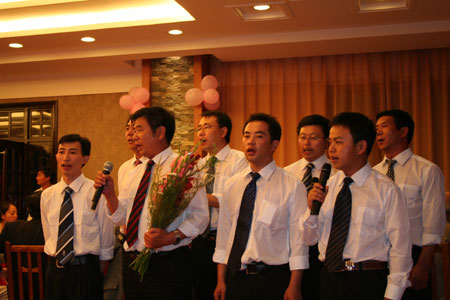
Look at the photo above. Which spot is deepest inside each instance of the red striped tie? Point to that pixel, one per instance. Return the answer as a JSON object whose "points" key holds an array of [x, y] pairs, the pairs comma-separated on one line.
{"points": [[138, 204]]}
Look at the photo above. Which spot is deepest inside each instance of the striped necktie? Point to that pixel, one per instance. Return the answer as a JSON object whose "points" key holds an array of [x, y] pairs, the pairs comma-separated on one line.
{"points": [[390, 172], [211, 172], [307, 177], [243, 225], [64, 245], [339, 227], [138, 204]]}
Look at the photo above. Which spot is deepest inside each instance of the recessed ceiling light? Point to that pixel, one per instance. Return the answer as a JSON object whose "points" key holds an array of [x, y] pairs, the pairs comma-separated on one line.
{"points": [[88, 39], [175, 32], [15, 45], [261, 7]]}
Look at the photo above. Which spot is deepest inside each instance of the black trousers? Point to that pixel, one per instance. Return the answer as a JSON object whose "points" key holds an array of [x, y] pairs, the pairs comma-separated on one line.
{"points": [[204, 269], [410, 293], [311, 276], [168, 277], [354, 285], [74, 282], [267, 285]]}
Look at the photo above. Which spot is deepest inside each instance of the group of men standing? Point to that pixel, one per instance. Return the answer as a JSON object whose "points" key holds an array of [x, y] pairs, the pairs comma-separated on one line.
{"points": [[246, 235]]}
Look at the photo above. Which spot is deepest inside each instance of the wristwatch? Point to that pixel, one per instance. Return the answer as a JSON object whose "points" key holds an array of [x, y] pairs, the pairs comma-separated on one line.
{"points": [[177, 234]]}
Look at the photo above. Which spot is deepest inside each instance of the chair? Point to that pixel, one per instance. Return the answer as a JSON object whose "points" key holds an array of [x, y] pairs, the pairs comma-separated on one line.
{"points": [[25, 257]]}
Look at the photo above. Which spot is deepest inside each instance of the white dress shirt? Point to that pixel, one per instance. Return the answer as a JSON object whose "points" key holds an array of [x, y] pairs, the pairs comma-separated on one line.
{"points": [[191, 222], [229, 162], [93, 231], [299, 167], [422, 184], [378, 224], [129, 176], [274, 236]]}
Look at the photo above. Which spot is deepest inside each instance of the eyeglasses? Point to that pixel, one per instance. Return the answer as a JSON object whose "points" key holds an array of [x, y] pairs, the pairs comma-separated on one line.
{"points": [[312, 138], [206, 127]]}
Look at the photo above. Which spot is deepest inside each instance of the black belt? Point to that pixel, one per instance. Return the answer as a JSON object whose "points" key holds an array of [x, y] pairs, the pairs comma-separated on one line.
{"points": [[259, 267], [367, 265], [134, 254], [76, 260]]}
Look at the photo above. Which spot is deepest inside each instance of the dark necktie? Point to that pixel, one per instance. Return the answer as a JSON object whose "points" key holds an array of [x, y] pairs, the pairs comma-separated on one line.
{"points": [[243, 225], [211, 172], [339, 227], [307, 177], [64, 246], [390, 172], [138, 204], [137, 162]]}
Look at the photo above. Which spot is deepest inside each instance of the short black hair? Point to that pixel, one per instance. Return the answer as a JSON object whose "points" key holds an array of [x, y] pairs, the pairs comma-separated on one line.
{"points": [[360, 126], [48, 172], [157, 116], [4, 206], [222, 119], [84, 142], [401, 119], [33, 203], [274, 126], [318, 120]]}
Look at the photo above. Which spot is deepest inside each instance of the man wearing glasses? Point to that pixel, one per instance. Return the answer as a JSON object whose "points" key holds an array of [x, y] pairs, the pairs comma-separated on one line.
{"points": [[312, 134]]}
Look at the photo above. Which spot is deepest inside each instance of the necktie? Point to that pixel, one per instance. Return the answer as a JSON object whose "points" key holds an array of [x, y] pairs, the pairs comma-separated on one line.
{"points": [[390, 172], [339, 227], [307, 177], [64, 245], [137, 162], [243, 225], [138, 204], [211, 172]]}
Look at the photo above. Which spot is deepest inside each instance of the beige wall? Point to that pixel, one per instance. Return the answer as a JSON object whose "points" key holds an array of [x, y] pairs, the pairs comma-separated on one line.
{"points": [[97, 117]]}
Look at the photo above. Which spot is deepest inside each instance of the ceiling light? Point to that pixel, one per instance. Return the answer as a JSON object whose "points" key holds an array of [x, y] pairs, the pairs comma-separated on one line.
{"points": [[88, 39], [175, 32], [15, 45], [261, 7]]}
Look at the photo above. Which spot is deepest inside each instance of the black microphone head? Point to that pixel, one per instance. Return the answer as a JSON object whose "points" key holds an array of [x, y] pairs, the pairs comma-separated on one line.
{"points": [[107, 167], [314, 180], [325, 174]]}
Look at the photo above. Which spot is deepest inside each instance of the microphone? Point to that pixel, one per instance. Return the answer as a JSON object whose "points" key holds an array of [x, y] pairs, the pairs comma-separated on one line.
{"points": [[107, 167], [324, 175]]}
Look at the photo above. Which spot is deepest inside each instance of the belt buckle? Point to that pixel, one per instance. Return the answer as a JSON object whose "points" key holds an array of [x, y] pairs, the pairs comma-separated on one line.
{"points": [[248, 272], [349, 265]]}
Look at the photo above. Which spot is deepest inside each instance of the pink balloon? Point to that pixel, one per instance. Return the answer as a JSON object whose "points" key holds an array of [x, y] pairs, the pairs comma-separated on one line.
{"points": [[193, 97], [209, 82], [141, 95], [126, 102], [210, 96], [133, 91], [136, 107], [213, 106]]}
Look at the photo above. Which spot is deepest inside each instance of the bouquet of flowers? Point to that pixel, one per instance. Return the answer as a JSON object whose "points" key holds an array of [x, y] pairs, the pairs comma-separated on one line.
{"points": [[171, 194]]}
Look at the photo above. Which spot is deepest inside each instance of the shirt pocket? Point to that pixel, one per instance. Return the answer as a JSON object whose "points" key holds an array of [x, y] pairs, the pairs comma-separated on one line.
{"points": [[412, 195], [89, 225], [369, 219], [270, 216]]}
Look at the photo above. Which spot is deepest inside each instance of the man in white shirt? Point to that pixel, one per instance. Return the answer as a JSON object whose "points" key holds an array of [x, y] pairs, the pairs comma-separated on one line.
{"points": [[76, 237], [362, 222], [312, 132], [129, 175], [422, 184], [259, 249], [169, 274], [214, 130]]}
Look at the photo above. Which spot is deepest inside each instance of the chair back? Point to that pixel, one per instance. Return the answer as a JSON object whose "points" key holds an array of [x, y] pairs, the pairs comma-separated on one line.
{"points": [[28, 261]]}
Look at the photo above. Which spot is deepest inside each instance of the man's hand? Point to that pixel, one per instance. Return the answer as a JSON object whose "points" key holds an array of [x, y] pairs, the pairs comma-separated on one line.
{"points": [[156, 238], [212, 201], [419, 277], [107, 182], [219, 292], [293, 291], [317, 194]]}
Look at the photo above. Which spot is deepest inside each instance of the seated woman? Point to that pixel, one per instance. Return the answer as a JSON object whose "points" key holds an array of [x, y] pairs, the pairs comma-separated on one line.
{"points": [[26, 233], [8, 213]]}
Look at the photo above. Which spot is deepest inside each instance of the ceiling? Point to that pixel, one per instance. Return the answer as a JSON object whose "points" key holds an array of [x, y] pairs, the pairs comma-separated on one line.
{"points": [[312, 27]]}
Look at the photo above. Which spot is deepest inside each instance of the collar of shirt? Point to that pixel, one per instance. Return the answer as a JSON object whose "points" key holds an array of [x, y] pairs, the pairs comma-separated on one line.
{"points": [[402, 157], [143, 159], [161, 157], [265, 172], [359, 177], [75, 185], [318, 163]]}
